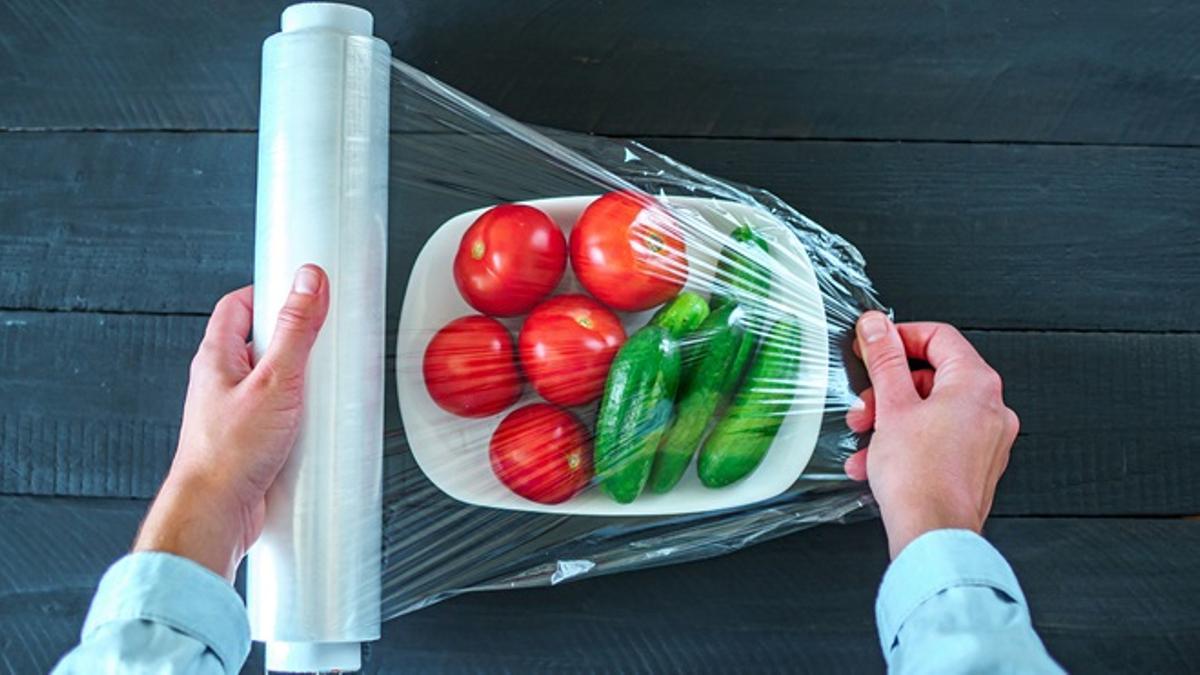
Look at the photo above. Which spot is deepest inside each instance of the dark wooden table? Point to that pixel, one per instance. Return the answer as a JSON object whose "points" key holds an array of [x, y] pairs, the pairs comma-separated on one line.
{"points": [[1026, 170]]}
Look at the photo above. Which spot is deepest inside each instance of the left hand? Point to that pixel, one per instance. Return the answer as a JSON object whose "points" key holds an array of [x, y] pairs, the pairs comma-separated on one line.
{"points": [[240, 421]]}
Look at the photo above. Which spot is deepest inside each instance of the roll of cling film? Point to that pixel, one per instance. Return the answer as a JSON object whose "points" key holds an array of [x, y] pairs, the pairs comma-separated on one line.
{"points": [[567, 356], [313, 580]]}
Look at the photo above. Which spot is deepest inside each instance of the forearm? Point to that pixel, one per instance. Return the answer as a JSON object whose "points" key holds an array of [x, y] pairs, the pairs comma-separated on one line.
{"points": [[192, 519], [950, 603], [156, 612]]}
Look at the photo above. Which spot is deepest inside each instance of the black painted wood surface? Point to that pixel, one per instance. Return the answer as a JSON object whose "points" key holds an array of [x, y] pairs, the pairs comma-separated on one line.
{"points": [[1026, 170], [1092, 71], [985, 236], [1105, 416], [1107, 595]]}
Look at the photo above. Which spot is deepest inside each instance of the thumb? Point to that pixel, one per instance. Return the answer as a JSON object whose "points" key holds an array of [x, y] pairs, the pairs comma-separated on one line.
{"points": [[887, 363], [297, 326]]}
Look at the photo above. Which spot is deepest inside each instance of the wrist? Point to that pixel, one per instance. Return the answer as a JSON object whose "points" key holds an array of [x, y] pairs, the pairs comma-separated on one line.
{"points": [[906, 522], [191, 518]]}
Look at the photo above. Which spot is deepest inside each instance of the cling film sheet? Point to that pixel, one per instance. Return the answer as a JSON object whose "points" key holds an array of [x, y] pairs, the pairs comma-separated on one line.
{"points": [[599, 359], [573, 355]]}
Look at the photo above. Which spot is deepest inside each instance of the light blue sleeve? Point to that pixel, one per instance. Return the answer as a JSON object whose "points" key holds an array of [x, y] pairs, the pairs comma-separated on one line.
{"points": [[159, 613], [949, 603]]}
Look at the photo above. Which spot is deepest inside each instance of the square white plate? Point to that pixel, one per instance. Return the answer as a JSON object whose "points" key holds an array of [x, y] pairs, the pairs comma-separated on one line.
{"points": [[453, 451]]}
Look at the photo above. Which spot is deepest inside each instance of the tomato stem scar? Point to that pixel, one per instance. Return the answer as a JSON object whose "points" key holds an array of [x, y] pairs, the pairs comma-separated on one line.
{"points": [[655, 242]]}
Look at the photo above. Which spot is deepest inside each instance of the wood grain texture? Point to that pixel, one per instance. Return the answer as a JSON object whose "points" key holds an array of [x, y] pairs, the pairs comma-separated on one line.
{"points": [[91, 401], [52, 554], [997, 236], [804, 604], [1099, 71], [1097, 412], [1106, 596], [1030, 202], [125, 222], [1106, 423], [986, 236]]}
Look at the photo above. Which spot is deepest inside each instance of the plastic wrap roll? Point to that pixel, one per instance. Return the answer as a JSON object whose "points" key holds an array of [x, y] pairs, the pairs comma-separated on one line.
{"points": [[314, 575]]}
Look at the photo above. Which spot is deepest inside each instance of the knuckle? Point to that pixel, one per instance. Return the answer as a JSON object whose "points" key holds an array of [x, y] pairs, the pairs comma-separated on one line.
{"points": [[947, 328], [203, 360], [271, 378], [998, 421], [888, 359], [292, 319], [225, 301], [1012, 421], [990, 383], [225, 305]]}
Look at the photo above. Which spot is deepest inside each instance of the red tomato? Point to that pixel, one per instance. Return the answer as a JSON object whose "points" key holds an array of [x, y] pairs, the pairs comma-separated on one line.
{"points": [[566, 347], [542, 453], [628, 252], [470, 367], [509, 259]]}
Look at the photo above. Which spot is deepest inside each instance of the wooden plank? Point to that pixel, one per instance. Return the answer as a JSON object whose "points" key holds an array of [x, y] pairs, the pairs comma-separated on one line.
{"points": [[986, 236], [92, 404], [91, 401], [125, 222], [1107, 596], [997, 236], [52, 553], [804, 604], [1100, 71], [1097, 411]]}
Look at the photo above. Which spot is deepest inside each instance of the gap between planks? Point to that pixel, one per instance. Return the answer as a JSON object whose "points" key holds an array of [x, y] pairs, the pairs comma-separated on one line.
{"points": [[659, 137]]}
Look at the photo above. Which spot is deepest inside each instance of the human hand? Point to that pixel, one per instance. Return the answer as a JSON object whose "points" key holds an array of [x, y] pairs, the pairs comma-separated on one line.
{"points": [[240, 421], [941, 436]]}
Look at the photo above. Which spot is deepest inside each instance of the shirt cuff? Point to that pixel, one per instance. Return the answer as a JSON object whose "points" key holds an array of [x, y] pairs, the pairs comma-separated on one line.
{"points": [[178, 593], [932, 563]]}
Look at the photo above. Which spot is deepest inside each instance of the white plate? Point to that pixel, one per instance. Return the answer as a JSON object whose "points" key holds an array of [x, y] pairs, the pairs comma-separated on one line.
{"points": [[453, 451]]}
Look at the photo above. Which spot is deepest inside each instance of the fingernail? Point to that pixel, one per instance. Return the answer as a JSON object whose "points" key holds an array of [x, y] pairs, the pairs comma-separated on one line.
{"points": [[858, 405], [307, 281], [872, 327]]}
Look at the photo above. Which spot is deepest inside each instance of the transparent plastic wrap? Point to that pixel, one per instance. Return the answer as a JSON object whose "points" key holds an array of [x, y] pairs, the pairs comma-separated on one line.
{"points": [[655, 368], [597, 358]]}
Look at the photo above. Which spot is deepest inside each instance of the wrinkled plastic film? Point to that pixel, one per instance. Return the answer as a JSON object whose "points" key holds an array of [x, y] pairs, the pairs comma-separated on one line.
{"points": [[715, 420], [313, 581], [451, 523]]}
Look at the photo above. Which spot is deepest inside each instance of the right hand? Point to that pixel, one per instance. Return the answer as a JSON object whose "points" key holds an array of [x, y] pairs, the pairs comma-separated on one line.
{"points": [[941, 436]]}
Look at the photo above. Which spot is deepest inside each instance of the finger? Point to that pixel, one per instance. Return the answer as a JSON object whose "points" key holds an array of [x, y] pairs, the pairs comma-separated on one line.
{"points": [[861, 415], [1000, 458], [939, 344], [229, 325], [887, 363], [856, 466], [222, 352], [1012, 426], [923, 381], [296, 327]]}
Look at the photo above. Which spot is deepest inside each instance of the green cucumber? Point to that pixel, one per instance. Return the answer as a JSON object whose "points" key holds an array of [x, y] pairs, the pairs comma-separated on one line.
{"points": [[635, 410], [742, 437], [682, 314], [738, 275], [723, 347]]}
